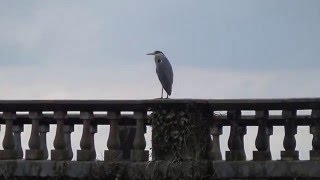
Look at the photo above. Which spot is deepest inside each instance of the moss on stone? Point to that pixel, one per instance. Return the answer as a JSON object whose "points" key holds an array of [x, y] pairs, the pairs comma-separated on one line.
{"points": [[180, 134]]}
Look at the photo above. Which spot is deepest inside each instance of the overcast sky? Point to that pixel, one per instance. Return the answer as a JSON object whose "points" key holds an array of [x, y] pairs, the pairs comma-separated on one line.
{"points": [[218, 49]]}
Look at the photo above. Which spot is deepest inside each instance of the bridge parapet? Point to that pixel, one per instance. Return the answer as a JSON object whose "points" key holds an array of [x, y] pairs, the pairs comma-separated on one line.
{"points": [[125, 149]]}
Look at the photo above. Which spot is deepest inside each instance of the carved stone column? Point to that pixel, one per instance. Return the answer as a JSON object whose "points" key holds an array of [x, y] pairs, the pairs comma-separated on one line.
{"points": [[60, 152], [85, 143], [235, 142], [114, 153], [34, 153], [263, 137], [93, 130], [44, 129], [289, 142], [315, 131], [214, 152], [68, 129], [139, 144], [8, 142], [17, 129], [127, 135]]}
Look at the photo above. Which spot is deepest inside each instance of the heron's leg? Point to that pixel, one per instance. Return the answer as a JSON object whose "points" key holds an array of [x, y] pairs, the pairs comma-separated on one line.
{"points": [[167, 96], [162, 93]]}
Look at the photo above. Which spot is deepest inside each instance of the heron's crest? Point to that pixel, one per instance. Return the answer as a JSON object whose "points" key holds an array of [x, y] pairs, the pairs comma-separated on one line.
{"points": [[158, 52]]}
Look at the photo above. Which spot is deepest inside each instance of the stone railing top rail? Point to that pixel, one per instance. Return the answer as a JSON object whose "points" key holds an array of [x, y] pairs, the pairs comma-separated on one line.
{"points": [[130, 105]]}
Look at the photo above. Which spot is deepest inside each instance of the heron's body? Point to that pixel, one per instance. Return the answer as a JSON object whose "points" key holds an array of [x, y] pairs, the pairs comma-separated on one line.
{"points": [[164, 71]]}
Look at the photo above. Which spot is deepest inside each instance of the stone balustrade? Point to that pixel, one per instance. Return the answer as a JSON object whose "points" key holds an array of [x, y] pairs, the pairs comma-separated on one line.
{"points": [[128, 157]]}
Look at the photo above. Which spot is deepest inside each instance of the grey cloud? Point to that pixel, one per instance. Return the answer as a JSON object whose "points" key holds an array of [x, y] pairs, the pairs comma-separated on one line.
{"points": [[238, 34]]}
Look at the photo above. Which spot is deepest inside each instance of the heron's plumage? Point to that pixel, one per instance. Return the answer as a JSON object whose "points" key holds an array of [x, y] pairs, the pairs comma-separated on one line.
{"points": [[164, 72]]}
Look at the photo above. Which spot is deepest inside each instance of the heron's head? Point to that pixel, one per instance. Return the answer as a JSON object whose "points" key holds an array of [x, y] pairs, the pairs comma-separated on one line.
{"points": [[156, 53]]}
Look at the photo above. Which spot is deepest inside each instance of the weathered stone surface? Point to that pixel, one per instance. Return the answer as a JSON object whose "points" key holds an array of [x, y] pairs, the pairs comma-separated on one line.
{"points": [[113, 155], [289, 155], [180, 133], [59, 155], [17, 129], [261, 155], [235, 155], [35, 154], [102, 170], [84, 155], [314, 155], [20, 169], [266, 169], [214, 152], [126, 134], [139, 155], [8, 154]]}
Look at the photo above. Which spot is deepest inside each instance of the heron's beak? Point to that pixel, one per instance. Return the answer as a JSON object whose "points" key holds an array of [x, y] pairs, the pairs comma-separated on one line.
{"points": [[150, 54]]}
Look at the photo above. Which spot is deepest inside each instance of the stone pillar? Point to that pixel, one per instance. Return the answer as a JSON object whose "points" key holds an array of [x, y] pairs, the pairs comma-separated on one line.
{"points": [[235, 142], [180, 132], [8, 143], [17, 129], [289, 142], [34, 153], [68, 129], [243, 132], [44, 128], [85, 143], [93, 130], [315, 131], [263, 137], [214, 152], [60, 152], [139, 144], [114, 153], [127, 135]]}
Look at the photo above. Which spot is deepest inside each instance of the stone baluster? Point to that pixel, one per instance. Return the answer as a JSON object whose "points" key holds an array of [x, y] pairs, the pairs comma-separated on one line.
{"points": [[235, 142], [139, 144], [315, 131], [289, 142], [68, 129], [44, 128], [263, 137], [60, 152], [214, 152], [127, 135], [17, 129], [242, 132], [93, 130], [114, 153], [34, 153], [85, 143], [8, 144]]}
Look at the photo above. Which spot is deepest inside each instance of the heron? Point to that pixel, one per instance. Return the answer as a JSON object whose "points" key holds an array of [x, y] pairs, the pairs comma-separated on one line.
{"points": [[164, 72]]}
